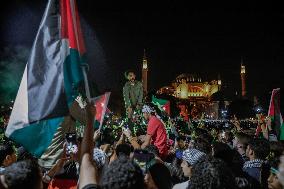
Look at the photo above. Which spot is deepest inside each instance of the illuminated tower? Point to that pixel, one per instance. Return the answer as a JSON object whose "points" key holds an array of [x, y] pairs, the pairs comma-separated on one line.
{"points": [[145, 73], [243, 78], [219, 82]]}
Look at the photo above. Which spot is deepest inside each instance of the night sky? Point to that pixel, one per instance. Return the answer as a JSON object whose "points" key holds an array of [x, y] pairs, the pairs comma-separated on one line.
{"points": [[206, 39]]}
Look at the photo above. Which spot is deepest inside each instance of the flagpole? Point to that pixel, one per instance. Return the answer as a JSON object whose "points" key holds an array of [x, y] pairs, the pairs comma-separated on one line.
{"points": [[87, 88]]}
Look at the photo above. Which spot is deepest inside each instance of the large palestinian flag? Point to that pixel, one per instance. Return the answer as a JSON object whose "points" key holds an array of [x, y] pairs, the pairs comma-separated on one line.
{"points": [[51, 77]]}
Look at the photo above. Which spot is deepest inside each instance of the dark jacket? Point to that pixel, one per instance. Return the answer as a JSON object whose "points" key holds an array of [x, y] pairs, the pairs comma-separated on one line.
{"points": [[258, 170], [133, 94], [253, 168]]}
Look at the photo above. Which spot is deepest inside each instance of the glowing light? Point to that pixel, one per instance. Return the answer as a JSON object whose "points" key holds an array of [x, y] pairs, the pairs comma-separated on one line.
{"points": [[243, 69], [219, 82]]}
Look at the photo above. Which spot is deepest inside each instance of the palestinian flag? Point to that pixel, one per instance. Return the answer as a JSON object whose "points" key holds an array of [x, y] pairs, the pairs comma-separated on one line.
{"points": [[274, 113], [163, 105], [51, 78], [101, 103]]}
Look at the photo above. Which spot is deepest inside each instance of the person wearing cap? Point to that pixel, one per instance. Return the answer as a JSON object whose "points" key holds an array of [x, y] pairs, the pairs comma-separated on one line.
{"points": [[189, 158], [156, 131], [273, 180], [280, 173], [100, 158], [132, 93]]}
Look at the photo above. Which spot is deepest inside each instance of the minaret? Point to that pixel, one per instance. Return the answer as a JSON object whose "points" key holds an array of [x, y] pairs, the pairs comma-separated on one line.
{"points": [[219, 82], [145, 73], [243, 78]]}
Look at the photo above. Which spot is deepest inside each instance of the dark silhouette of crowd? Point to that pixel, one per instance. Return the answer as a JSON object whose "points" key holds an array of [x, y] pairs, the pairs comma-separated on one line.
{"points": [[200, 158]]}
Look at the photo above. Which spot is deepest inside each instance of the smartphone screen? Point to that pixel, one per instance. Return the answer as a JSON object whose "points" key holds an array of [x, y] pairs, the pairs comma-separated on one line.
{"points": [[71, 143], [142, 158]]}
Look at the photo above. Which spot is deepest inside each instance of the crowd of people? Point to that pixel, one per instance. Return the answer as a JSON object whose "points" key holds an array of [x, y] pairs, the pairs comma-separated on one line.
{"points": [[147, 150], [153, 158]]}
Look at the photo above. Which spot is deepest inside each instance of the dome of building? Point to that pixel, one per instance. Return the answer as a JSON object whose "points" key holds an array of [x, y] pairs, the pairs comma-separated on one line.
{"points": [[188, 78], [190, 86]]}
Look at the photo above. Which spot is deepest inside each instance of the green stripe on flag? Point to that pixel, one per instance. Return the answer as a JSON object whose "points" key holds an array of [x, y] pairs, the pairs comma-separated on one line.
{"points": [[281, 137], [159, 101], [36, 137], [163, 105], [73, 74]]}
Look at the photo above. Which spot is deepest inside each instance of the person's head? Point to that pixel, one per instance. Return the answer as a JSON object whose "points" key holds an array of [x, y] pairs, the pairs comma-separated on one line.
{"points": [[240, 142], [273, 182], [123, 150], [7, 154], [158, 177], [23, 154], [123, 173], [180, 142], [189, 158], [203, 133], [281, 170], [152, 149], [258, 149], [221, 150], [276, 149], [230, 156], [23, 174], [211, 173], [148, 111], [225, 136], [100, 158], [130, 75], [201, 144]]}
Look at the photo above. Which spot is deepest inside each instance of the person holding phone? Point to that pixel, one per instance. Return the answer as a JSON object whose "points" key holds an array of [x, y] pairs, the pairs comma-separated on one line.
{"points": [[143, 158], [64, 174]]}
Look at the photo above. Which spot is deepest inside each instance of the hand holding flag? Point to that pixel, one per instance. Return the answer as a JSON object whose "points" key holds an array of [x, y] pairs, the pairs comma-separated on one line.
{"points": [[51, 78]]}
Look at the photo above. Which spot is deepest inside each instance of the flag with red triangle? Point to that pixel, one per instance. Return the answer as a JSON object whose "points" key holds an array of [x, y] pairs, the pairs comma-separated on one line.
{"points": [[163, 105], [101, 103]]}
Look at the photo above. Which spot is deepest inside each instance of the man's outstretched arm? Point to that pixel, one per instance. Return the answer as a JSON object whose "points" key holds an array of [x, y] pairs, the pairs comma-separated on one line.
{"points": [[88, 171]]}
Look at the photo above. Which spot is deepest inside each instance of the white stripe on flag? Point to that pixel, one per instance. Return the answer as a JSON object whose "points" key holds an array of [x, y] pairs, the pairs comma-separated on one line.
{"points": [[19, 116]]}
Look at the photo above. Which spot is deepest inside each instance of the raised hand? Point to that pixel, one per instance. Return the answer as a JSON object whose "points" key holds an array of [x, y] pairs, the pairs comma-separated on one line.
{"points": [[97, 135]]}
